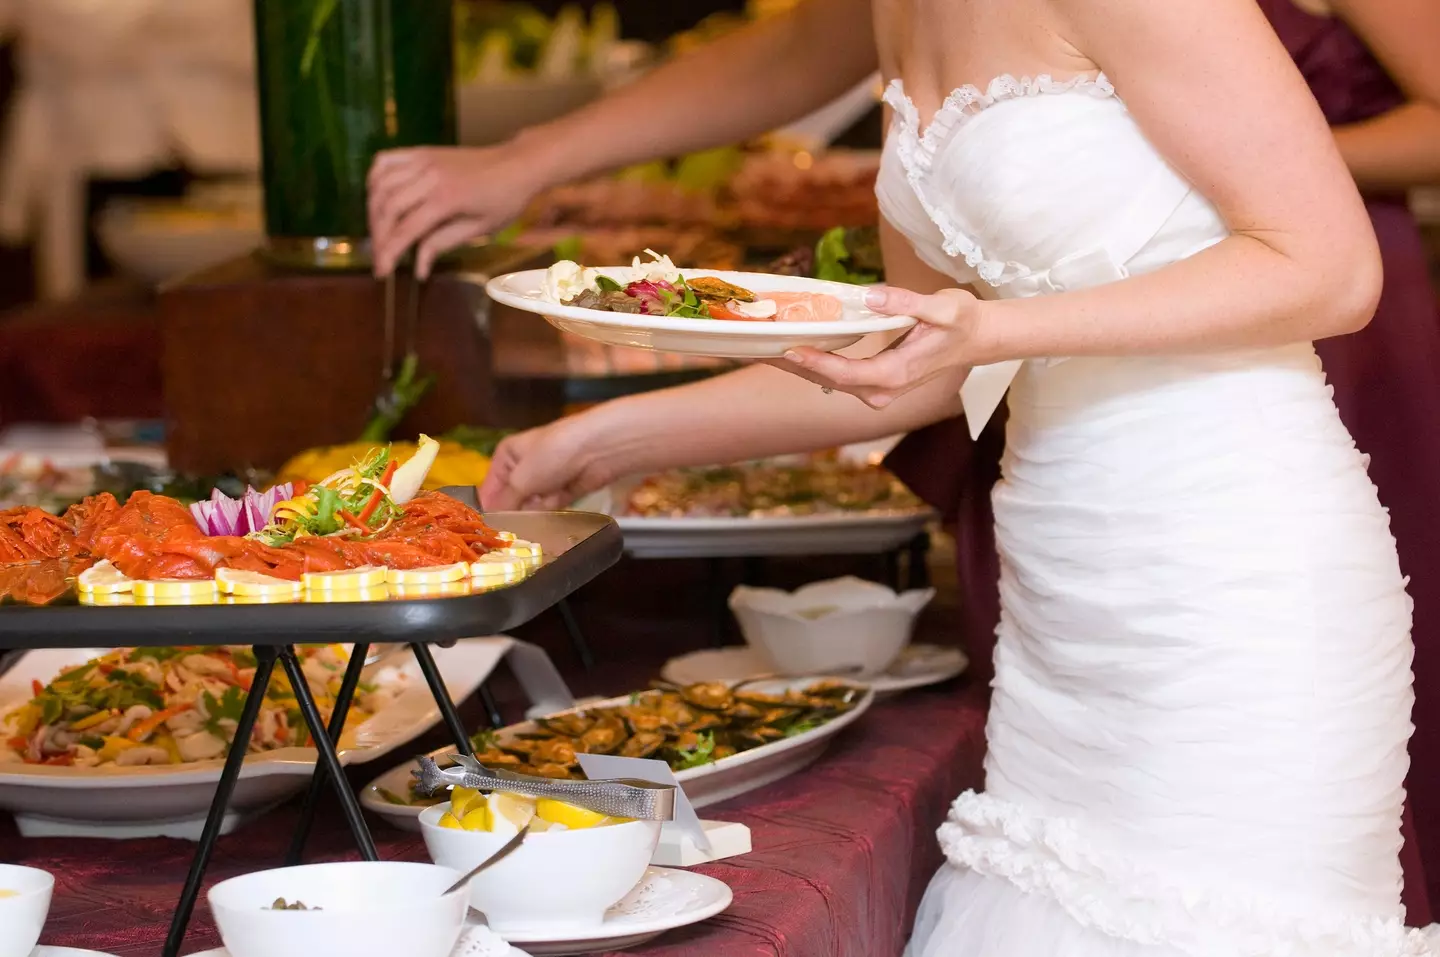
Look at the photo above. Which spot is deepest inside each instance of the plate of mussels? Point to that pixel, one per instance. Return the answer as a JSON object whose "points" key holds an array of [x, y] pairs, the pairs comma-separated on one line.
{"points": [[720, 739]]}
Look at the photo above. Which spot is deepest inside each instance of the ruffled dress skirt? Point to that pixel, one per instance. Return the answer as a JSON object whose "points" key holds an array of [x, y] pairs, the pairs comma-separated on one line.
{"points": [[1202, 694]]}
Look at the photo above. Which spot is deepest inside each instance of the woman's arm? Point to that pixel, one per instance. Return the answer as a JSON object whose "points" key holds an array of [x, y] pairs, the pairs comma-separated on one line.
{"points": [[1213, 89], [744, 84], [748, 83], [1399, 149]]}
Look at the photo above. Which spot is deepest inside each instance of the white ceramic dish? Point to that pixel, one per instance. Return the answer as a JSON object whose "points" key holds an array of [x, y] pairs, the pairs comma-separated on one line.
{"points": [[829, 627], [22, 917], [44, 951], [557, 882], [359, 907], [918, 666], [707, 784], [664, 900], [845, 533], [705, 337], [172, 801]]}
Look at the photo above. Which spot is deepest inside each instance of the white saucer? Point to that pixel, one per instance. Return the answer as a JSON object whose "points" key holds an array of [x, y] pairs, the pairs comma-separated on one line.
{"points": [[918, 666], [664, 900], [44, 951]]}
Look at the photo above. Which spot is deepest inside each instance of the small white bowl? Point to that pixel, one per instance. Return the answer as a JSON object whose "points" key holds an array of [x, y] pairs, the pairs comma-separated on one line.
{"points": [[22, 916], [556, 882], [367, 909], [829, 626]]}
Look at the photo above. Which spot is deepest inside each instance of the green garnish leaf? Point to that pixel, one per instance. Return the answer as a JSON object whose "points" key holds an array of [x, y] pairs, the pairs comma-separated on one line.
{"points": [[227, 707], [702, 753], [831, 255], [606, 284]]}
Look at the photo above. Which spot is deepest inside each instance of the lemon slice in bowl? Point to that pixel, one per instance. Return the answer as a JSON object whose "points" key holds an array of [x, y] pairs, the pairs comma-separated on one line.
{"points": [[177, 590], [450, 820], [245, 584], [461, 798], [347, 579], [509, 812], [567, 815], [477, 818], [103, 578], [435, 575]]}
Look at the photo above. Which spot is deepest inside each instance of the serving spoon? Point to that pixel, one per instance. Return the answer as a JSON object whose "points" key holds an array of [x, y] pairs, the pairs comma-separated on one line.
{"points": [[510, 847]]}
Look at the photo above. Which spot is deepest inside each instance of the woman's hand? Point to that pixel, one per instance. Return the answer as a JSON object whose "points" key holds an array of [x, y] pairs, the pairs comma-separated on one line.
{"points": [[945, 337], [542, 468], [440, 197]]}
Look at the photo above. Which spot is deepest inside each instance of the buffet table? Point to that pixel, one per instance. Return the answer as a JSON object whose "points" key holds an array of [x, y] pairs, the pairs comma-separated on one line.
{"points": [[842, 851]]}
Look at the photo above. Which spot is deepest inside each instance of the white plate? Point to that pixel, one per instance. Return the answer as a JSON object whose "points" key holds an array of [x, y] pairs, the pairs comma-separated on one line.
{"points": [[664, 900], [44, 951], [721, 338], [748, 536], [707, 784], [917, 667], [172, 801]]}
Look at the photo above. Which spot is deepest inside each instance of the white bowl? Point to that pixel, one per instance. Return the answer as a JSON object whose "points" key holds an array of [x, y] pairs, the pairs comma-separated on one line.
{"points": [[367, 909], [829, 626], [556, 881], [23, 916]]}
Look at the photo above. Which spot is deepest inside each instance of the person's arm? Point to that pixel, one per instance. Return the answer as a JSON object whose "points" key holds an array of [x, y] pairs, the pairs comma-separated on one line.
{"points": [[1399, 149], [738, 87], [1211, 86], [742, 85]]}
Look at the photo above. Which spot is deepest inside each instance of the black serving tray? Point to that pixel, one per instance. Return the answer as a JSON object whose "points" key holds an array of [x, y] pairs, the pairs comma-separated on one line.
{"points": [[576, 547]]}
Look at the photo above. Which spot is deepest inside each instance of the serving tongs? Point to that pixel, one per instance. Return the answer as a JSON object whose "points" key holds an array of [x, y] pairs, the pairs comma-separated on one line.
{"points": [[398, 392], [613, 797]]}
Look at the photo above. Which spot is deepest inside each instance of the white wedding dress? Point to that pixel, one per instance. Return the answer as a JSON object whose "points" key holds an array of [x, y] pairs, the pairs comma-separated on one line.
{"points": [[1202, 683]]}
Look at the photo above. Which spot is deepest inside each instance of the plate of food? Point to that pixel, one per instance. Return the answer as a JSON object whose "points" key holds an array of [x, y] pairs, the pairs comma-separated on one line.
{"points": [[826, 503], [129, 742], [653, 305], [721, 740]]}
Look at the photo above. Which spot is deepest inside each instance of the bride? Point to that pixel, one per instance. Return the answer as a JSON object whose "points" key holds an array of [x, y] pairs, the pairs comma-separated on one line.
{"points": [[1131, 217]]}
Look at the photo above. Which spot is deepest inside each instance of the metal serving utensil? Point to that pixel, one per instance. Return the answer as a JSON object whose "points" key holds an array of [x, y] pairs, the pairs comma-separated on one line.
{"points": [[615, 797], [510, 847]]}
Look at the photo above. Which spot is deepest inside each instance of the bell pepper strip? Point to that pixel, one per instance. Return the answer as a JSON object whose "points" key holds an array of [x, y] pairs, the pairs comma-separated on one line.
{"points": [[354, 522], [90, 721], [374, 502], [37, 687], [143, 729]]}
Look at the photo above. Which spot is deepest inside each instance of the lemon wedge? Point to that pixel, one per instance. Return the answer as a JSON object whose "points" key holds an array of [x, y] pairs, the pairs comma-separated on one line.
{"points": [[436, 575], [507, 536], [477, 818], [373, 593], [509, 812], [461, 799], [449, 820], [103, 578], [498, 567], [172, 589], [232, 581], [348, 579], [439, 590], [567, 815]]}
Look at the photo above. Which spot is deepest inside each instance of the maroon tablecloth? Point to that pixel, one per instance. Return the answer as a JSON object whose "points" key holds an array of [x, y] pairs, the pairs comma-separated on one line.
{"points": [[842, 850]]}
